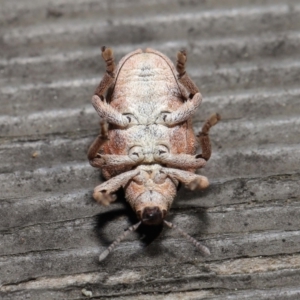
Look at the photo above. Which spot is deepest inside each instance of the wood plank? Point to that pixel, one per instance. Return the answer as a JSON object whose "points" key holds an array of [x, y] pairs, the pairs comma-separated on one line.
{"points": [[244, 56]]}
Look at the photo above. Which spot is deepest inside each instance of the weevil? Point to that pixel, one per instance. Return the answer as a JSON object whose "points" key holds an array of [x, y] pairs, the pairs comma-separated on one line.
{"points": [[147, 144]]}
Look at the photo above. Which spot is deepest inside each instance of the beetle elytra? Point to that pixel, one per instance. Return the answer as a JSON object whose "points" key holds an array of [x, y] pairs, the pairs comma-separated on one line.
{"points": [[147, 144]]}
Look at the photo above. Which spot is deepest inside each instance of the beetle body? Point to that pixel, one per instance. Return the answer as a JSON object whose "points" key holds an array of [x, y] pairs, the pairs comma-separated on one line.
{"points": [[147, 144]]}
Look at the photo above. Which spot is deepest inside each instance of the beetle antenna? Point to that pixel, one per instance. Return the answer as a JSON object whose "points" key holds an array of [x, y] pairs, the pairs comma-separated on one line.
{"points": [[118, 241], [198, 245]]}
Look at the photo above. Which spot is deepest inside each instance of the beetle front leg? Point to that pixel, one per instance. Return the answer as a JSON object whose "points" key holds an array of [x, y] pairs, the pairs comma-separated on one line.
{"points": [[181, 114], [99, 102], [103, 193], [204, 136], [191, 180], [190, 105], [108, 79], [183, 77], [108, 113]]}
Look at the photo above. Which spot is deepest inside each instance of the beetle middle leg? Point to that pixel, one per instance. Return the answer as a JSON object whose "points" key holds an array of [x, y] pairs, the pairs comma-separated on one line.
{"points": [[181, 161], [99, 101], [100, 140], [98, 160], [103, 193], [204, 136], [113, 160]]}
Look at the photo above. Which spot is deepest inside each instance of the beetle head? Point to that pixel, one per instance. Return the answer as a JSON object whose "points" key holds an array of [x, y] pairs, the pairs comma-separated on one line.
{"points": [[152, 215], [151, 207], [151, 204], [150, 195]]}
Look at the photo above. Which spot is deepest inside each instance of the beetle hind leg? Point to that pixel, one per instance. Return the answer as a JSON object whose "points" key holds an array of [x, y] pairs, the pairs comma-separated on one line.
{"points": [[204, 136], [191, 180]]}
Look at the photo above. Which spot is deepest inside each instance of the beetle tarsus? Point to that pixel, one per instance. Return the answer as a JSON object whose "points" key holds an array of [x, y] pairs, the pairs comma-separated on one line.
{"points": [[181, 61], [107, 55]]}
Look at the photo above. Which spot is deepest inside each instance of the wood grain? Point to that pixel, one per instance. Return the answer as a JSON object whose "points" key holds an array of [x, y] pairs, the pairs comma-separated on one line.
{"points": [[244, 57]]}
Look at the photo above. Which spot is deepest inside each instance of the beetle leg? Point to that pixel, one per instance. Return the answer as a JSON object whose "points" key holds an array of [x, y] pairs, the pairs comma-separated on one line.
{"points": [[181, 161], [191, 180], [99, 102], [108, 113], [204, 136], [103, 193], [99, 141], [191, 104], [183, 77], [112, 160], [188, 83], [182, 114], [106, 82]]}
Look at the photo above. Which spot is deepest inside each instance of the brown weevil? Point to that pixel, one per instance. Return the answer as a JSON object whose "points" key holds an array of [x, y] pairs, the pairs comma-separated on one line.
{"points": [[147, 143]]}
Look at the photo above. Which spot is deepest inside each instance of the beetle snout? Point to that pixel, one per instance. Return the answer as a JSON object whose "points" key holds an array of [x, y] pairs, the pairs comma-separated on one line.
{"points": [[152, 215]]}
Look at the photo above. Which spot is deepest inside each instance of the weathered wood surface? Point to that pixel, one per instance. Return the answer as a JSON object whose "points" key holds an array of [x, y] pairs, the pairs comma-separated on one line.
{"points": [[244, 56]]}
